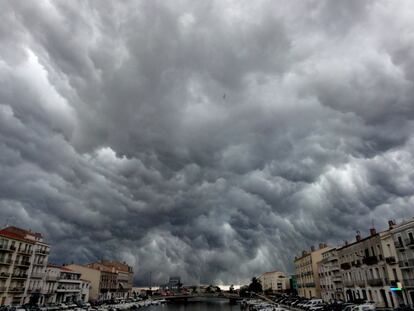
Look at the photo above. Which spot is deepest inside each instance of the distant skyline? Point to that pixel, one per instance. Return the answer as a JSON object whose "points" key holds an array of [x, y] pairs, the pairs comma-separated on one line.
{"points": [[213, 140]]}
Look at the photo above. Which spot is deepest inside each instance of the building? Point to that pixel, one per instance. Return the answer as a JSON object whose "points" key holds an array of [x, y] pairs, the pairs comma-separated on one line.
{"points": [[23, 260], [51, 283], [403, 237], [108, 284], [103, 281], [275, 281], [85, 289], [369, 269], [124, 277], [306, 271], [330, 276], [68, 286]]}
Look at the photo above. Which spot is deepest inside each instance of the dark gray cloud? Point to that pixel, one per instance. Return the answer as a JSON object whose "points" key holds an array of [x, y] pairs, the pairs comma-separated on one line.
{"points": [[212, 140]]}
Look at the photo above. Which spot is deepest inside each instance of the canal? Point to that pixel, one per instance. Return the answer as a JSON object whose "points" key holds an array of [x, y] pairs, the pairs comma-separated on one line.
{"points": [[198, 304]]}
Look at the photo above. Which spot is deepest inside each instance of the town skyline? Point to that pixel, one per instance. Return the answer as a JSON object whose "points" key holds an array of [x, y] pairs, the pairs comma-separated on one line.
{"points": [[213, 140]]}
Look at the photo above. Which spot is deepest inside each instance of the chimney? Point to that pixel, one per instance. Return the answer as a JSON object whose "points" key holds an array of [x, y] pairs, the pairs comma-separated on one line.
{"points": [[372, 231], [320, 245], [391, 224], [358, 236], [346, 242], [312, 248]]}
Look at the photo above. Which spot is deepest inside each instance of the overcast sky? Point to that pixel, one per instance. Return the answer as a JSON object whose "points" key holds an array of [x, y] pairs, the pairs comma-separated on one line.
{"points": [[213, 140]]}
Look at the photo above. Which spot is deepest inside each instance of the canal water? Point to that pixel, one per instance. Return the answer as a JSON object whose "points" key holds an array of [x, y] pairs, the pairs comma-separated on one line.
{"points": [[196, 305]]}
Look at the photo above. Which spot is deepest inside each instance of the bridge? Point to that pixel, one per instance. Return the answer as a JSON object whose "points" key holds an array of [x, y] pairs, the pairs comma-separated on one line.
{"points": [[233, 298]]}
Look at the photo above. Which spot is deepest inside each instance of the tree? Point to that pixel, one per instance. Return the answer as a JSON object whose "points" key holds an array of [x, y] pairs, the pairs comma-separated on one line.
{"points": [[231, 289], [255, 286]]}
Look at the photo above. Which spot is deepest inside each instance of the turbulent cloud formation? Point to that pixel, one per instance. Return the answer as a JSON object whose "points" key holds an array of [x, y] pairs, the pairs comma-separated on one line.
{"points": [[208, 139]]}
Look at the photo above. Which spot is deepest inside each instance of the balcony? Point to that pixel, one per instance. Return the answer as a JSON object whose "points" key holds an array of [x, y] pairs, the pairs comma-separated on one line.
{"points": [[39, 263], [62, 289], [370, 260], [356, 263], [37, 275], [25, 251], [360, 283], [5, 248], [19, 276], [337, 279], [310, 284], [42, 252], [404, 264], [345, 266], [51, 278], [22, 263], [3, 289], [335, 268], [4, 261], [4, 275], [409, 242], [375, 282], [16, 289], [399, 245], [34, 290], [408, 282], [390, 260]]}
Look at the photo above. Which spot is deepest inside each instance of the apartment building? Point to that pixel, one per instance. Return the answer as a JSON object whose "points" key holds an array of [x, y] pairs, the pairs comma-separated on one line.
{"points": [[275, 281], [369, 269], [108, 283], [403, 236], [23, 260], [103, 280], [330, 276], [124, 278], [306, 271]]}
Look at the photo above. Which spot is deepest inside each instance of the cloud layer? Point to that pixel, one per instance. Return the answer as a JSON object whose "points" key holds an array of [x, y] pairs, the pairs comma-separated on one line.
{"points": [[208, 139]]}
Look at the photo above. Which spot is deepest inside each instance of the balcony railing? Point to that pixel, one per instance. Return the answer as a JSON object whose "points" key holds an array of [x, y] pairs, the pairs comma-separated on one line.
{"points": [[4, 274], [4, 261], [337, 279], [23, 263], [37, 275], [406, 263], [409, 242], [390, 260], [356, 263], [25, 251], [370, 260], [3, 289], [19, 276], [360, 283], [7, 248], [376, 282], [39, 263], [398, 244], [42, 252], [16, 289]]}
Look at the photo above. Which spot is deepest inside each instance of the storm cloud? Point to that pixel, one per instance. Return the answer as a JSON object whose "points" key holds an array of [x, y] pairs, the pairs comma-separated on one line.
{"points": [[208, 139]]}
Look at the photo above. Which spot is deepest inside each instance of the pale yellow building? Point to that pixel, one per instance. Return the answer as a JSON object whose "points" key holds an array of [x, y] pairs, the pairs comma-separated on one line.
{"points": [[369, 269], [275, 281], [91, 275], [306, 270]]}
